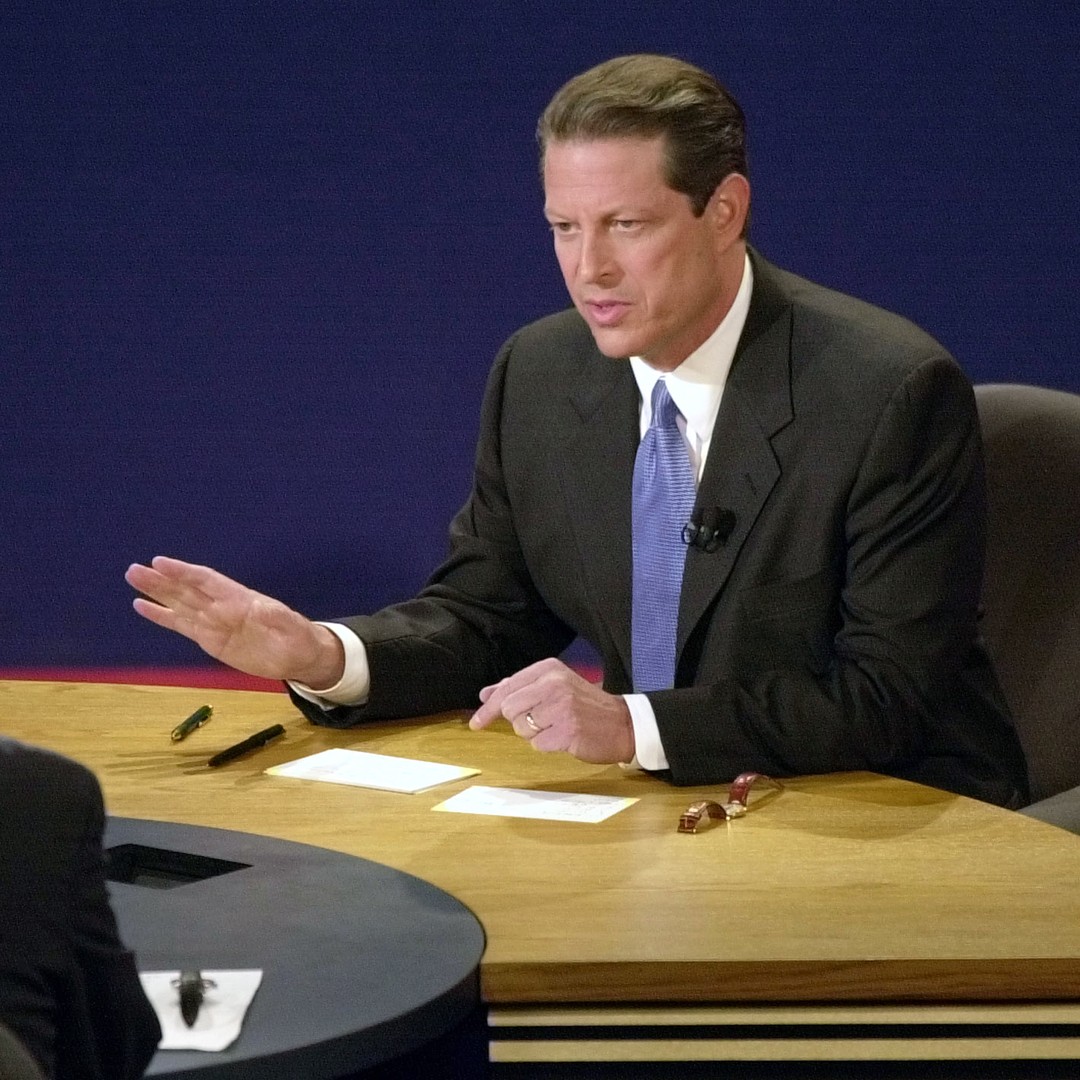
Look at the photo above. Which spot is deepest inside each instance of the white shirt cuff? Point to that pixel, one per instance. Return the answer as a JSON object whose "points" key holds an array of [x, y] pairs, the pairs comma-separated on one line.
{"points": [[648, 750], [355, 683]]}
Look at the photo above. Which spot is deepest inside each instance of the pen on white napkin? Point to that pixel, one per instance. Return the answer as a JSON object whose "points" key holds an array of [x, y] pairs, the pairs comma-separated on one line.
{"points": [[221, 1013]]}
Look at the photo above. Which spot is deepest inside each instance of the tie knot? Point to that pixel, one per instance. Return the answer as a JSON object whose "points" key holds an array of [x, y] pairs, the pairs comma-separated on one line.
{"points": [[664, 410]]}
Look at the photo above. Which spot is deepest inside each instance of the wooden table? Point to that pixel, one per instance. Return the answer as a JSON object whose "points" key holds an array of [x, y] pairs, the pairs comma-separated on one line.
{"points": [[846, 906]]}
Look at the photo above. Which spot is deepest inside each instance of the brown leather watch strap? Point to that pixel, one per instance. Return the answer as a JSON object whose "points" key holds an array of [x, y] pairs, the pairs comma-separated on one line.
{"points": [[692, 817], [704, 810]]}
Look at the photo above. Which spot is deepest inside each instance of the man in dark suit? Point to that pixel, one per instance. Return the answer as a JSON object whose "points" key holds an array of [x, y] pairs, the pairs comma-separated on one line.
{"points": [[68, 988], [823, 612]]}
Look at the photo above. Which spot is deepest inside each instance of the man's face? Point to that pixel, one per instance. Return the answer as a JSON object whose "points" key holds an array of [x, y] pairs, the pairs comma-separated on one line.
{"points": [[650, 278]]}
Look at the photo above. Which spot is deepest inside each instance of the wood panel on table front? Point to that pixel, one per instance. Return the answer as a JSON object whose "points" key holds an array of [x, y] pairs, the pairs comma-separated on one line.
{"points": [[845, 887]]}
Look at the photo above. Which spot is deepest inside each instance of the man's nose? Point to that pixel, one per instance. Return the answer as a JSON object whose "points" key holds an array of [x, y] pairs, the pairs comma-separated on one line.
{"points": [[596, 262]]}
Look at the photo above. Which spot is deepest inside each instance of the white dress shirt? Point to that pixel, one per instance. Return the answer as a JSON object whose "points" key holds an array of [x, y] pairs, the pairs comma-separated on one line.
{"points": [[696, 386]]}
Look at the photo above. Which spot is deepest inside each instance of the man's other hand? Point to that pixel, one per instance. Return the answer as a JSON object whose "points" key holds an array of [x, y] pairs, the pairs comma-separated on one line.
{"points": [[556, 709]]}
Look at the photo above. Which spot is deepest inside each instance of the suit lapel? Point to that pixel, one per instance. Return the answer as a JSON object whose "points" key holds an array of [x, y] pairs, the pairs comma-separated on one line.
{"points": [[741, 469], [597, 470]]}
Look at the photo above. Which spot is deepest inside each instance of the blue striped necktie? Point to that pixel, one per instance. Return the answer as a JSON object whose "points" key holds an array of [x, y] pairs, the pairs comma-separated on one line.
{"points": [[663, 500]]}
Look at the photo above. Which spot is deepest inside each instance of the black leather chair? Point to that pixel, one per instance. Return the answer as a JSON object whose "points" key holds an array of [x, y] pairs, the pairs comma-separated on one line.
{"points": [[1031, 589], [15, 1060]]}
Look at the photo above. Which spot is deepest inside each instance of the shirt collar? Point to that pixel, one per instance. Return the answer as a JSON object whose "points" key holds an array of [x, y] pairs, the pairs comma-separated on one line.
{"points": [[697, 384]]}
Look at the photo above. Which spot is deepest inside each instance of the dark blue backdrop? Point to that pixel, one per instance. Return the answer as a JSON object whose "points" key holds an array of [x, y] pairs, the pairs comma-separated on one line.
{"points": [[241, 241]]}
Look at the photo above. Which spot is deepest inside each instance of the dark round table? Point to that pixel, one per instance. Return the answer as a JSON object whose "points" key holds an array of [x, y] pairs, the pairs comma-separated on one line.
{"points": [[361, 964]]}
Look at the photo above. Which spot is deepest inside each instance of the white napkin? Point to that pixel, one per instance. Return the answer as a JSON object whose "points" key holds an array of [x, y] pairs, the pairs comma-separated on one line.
{"points": [[222, 1011]]}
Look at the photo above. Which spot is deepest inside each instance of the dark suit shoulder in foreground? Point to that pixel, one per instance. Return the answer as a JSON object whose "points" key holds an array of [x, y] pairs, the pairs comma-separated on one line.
{"points": [[68, 987]]}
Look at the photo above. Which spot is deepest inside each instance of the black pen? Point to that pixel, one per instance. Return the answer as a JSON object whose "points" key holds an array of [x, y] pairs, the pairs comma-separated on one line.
{"points": [[191, 995], [260, 738], [192, 987], [195, 720]]}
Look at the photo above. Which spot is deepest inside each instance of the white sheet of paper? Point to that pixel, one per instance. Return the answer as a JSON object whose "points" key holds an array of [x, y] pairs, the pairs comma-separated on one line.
{"points": [[220, 1015], [550, 805], [361, 769]]}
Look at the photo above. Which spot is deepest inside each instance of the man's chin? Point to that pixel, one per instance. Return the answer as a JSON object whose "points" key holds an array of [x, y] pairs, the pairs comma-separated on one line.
{"points": [[612, 343]]}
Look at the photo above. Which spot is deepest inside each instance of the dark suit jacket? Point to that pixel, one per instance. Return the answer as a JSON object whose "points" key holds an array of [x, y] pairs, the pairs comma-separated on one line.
{"points": [[68, 988], [837, 626]]}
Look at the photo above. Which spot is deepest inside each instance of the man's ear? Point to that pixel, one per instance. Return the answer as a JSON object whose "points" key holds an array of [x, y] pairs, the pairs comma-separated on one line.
{"points": [[729, 207]]}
